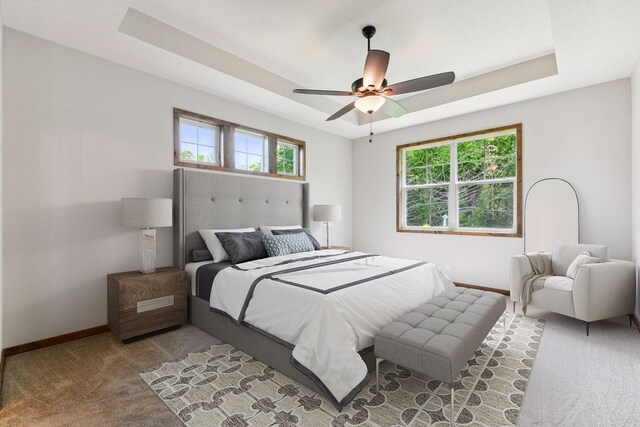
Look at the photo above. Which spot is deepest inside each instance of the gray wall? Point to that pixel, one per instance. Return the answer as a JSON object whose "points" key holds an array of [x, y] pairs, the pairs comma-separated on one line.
{"points": [[582, 136], [82, 133], [635, 175]]}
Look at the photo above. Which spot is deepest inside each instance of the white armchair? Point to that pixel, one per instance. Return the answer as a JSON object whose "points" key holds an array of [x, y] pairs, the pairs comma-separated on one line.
{"points": [[599, 291]]}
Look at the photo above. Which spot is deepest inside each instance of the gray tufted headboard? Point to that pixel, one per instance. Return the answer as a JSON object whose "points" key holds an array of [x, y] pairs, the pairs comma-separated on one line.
{"points": [[209, 200]]}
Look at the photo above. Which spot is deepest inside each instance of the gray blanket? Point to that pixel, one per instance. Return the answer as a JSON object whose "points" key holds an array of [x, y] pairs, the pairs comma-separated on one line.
{"points": [[534, 281]]}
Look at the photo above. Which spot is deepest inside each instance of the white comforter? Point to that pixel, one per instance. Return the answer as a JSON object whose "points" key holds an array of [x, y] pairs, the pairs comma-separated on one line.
{"points": [[329, 327]]}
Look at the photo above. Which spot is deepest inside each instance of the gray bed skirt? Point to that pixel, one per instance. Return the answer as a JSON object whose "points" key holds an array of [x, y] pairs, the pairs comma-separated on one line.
{"points": [[255, 343]]}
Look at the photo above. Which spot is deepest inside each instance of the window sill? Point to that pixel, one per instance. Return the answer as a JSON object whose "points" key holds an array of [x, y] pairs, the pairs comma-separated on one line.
{"points": [[460, 233], [241, 171]]}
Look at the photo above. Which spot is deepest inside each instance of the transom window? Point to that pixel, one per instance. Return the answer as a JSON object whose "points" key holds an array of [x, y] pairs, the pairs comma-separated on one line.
{"points": [[463, 184], [199, 142], [251, 151], [208, 143], [288, 158]]}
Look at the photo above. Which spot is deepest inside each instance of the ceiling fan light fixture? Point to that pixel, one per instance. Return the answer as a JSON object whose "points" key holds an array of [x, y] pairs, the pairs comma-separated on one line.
{"points": [[370, 104]]}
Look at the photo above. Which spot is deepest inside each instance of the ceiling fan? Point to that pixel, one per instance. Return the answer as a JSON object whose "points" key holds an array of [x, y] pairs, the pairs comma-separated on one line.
{"points": [[372, 90]]}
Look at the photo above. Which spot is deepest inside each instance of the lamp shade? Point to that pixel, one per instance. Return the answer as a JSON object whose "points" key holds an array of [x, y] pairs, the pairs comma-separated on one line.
{"points": [[147, 212], [370, 104], [327, 213]]}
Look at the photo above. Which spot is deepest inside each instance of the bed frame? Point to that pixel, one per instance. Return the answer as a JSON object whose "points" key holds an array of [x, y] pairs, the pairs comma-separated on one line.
{"points": [[208, 200]]}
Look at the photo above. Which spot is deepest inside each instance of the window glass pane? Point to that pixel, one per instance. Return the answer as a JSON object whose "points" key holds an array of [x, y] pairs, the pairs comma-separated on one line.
{"points": [[287, 158], [241, 161], [240, 141], [255, 144], [188, 132], [428, 165], [255, 163], [487, 158], [486, 205], [206, 154], [250, 151], [188, 151], [427, 207], [199, 141], [206, 136]]}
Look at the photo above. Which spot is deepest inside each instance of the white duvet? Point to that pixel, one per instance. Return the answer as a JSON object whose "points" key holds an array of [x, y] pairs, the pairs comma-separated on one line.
{"points": [[330, 309]]}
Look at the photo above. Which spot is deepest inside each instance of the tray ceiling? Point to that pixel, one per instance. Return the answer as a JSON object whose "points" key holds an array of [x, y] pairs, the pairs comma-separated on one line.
{"points": [[502, 51]]}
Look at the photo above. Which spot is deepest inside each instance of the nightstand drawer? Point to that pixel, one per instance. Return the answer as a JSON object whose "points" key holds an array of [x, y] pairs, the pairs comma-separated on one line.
{"points": [[133, 291], [132, 324]]}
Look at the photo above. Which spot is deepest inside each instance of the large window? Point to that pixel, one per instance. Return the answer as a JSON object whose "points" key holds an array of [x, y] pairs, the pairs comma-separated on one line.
{"points": [[208, 143], [463, 184]]}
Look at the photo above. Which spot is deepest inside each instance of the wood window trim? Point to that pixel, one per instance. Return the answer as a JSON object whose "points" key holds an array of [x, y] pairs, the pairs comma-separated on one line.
{"points": [[518, 228], [226, 152]]}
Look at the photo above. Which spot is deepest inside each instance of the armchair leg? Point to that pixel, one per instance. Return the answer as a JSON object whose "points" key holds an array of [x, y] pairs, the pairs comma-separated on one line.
{"points": [[514, 307], [631, 320], [588, 323]]}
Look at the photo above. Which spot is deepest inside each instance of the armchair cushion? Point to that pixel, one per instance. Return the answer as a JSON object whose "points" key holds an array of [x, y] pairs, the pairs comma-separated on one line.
{"points": [[582, 259], [565, 253], [559, 283]]}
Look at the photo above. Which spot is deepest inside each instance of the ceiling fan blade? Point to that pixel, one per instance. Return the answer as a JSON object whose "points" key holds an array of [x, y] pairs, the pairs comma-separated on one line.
{"points": [[323, 92], [393, 108], [375, 68], [341, 112], [422, 83]]}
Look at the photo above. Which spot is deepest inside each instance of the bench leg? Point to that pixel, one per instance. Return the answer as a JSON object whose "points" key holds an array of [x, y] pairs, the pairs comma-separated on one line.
{"points": [[378, 360], [453, 412]]}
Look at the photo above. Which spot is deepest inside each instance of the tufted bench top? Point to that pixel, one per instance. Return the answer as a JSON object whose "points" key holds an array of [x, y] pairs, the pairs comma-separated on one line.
{"points": [[439, 337]]}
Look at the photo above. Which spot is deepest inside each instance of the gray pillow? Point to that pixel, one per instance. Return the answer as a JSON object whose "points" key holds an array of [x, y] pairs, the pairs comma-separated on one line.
{"points": [[286, 244], [314, 242], [582, 259], [198, 255], [243, 247]]}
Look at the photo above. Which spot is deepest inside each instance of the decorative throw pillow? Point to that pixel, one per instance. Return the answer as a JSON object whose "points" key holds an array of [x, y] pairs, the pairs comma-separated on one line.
{"points": [[582, 259], [214, 245], [314, 242], [243, 247], [199, 255], [286, 244]]}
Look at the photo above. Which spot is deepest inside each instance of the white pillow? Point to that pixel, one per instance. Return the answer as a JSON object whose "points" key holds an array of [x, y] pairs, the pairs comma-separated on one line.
{"points": [[582, 259], [266, 229], [214, 245]]}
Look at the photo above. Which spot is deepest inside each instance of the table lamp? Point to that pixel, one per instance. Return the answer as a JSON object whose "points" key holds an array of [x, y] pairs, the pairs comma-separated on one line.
{"points": [[147, 214], [326, 214]]}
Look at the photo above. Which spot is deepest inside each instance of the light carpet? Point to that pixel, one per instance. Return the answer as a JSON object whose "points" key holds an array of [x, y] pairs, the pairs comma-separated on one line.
{"points": [[223, 386], [583, 381]]}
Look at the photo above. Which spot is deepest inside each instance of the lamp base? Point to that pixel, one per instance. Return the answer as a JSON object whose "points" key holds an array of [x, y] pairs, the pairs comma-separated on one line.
{"points": [[326, 224], [147, 250]]}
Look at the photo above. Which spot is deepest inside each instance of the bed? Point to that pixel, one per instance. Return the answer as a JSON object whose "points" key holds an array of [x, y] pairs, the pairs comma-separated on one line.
{"points": [[312, 315]]}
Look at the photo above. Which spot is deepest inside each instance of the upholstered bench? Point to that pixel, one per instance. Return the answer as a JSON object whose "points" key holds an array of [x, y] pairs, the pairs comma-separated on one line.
{"points": [[439, 337]]}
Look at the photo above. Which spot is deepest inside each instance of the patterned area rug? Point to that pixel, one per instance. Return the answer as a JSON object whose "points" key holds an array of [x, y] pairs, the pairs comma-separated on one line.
{"points": [[223, 386]]}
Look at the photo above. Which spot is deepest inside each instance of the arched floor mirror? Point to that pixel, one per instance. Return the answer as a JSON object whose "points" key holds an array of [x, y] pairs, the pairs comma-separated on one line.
{"points": [[551, 214]]}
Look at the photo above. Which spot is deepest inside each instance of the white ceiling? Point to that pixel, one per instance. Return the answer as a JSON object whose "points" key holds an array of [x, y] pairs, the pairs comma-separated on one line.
{"points": [[318, 44]]}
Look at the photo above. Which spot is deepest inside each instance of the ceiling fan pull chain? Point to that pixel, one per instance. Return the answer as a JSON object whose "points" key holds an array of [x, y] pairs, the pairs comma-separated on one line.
{"points": [[370, 128]]}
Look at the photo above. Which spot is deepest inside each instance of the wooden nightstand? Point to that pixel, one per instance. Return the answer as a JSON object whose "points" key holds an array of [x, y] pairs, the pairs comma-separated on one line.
{"points": [[142, 303]]}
